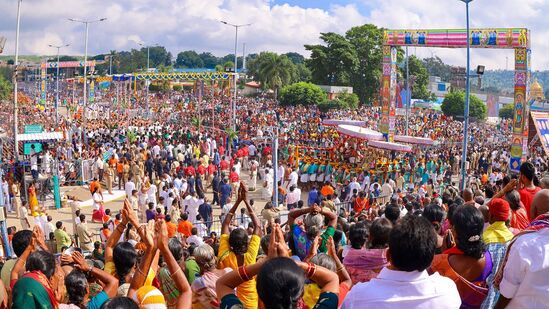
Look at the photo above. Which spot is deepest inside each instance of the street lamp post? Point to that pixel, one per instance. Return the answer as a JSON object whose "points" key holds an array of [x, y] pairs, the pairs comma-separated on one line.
{"points": [[235, 67], [57, 84], [87, 23], [15, 103], [466, 112], [148, 67]]}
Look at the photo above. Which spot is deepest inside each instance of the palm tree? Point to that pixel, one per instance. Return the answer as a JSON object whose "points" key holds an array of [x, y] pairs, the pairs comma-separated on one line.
{"points": [[275, 71], [231, 136]]}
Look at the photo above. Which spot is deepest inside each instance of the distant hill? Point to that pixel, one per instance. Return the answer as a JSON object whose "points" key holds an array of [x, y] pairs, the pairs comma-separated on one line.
{"points": [[32, 58], [504, 80]]}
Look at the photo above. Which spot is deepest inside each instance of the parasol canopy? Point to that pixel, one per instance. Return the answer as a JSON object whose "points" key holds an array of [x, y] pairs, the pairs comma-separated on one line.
{"points": [[336, 122], [414, 140], [390, 146], [360, 132]]}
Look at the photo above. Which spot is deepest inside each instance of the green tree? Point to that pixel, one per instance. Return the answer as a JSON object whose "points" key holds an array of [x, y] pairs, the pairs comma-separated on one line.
{"points": [[507, 111], [209, 61], [296, 58], [158, 55], [189, 59], [420, 78], [436, 67], [228, 65], [303, 74], [454, 105], [302, 93], [5, 88], [350, 99], [332, 63], [275, 71], [67, 58], [367, 41], [350, 60], [329, 105]]}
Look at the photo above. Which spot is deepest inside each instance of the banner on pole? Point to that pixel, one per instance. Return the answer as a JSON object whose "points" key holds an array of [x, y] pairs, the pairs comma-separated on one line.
{"points": [[43, 87], [92, 92]]}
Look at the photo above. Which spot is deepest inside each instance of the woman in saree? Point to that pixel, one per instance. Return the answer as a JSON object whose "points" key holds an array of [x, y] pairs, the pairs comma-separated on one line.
{"points": [[34, 289], [468, 263], [99, 210], [39, 216]]}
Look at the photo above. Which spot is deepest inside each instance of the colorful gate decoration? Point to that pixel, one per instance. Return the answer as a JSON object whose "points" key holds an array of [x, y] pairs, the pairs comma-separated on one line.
{"points": [[501, 38], [44, 66], [182, 75]]}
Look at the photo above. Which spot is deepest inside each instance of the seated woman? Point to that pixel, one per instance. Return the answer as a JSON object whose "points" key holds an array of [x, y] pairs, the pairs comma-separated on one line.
{"points": [[364, 264], [280, 280], [468, 264], [235, 250]]}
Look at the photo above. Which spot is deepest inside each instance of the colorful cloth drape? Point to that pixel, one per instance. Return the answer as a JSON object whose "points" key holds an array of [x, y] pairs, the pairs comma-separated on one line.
{"points": [[33, 290]]}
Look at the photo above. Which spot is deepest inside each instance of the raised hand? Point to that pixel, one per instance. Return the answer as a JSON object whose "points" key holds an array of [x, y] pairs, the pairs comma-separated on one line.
{"points": [[331, 247], [161, 234], [80, 262]]}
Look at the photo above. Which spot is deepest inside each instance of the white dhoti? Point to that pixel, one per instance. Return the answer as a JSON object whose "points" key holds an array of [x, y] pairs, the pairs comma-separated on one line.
{"points": [[304, 178], [253, 181], [312, 178], [320, 178]]}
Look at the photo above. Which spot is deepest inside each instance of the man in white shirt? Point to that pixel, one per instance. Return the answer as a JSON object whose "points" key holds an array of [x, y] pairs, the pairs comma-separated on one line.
{"points": [[293, 196], [354, 185], [524, 281], [293, 178], [192, 207], [129, 187], [406, 283]]}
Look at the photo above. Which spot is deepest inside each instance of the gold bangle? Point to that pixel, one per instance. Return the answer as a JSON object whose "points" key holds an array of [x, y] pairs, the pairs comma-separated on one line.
{"points": [[141, 272], [178, 270]]}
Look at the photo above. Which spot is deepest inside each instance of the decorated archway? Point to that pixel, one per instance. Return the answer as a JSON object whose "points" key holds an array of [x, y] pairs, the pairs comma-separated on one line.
{"points": [[500, 38]]}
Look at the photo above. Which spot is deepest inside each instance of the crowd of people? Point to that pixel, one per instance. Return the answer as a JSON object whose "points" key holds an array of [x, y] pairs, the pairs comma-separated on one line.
{"points": [[362, 227]]}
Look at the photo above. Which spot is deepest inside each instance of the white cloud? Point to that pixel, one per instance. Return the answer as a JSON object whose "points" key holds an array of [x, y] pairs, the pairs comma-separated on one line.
{"points": [[194, 24]]}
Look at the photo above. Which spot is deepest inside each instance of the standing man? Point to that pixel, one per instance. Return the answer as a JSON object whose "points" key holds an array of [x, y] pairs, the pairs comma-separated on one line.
{"points": [[109, 177], [100, 166], [225, 190], [84, 235], [6, 192], [216, 182], [62, 239], [16, 197], [205, 211]]}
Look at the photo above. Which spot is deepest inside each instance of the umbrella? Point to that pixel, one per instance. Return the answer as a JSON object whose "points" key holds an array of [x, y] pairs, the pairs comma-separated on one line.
{"points": [[390, 146], [414, 140], [359, 132], [336, 122]]}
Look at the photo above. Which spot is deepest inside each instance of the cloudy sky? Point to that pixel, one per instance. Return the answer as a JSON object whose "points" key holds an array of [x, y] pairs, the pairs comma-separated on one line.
{"points": [[278, 25]]}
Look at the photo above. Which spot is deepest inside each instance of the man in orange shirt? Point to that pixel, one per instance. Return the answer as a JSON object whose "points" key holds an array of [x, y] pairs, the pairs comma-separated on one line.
{"points": [[185, 227], [172, 228]]}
